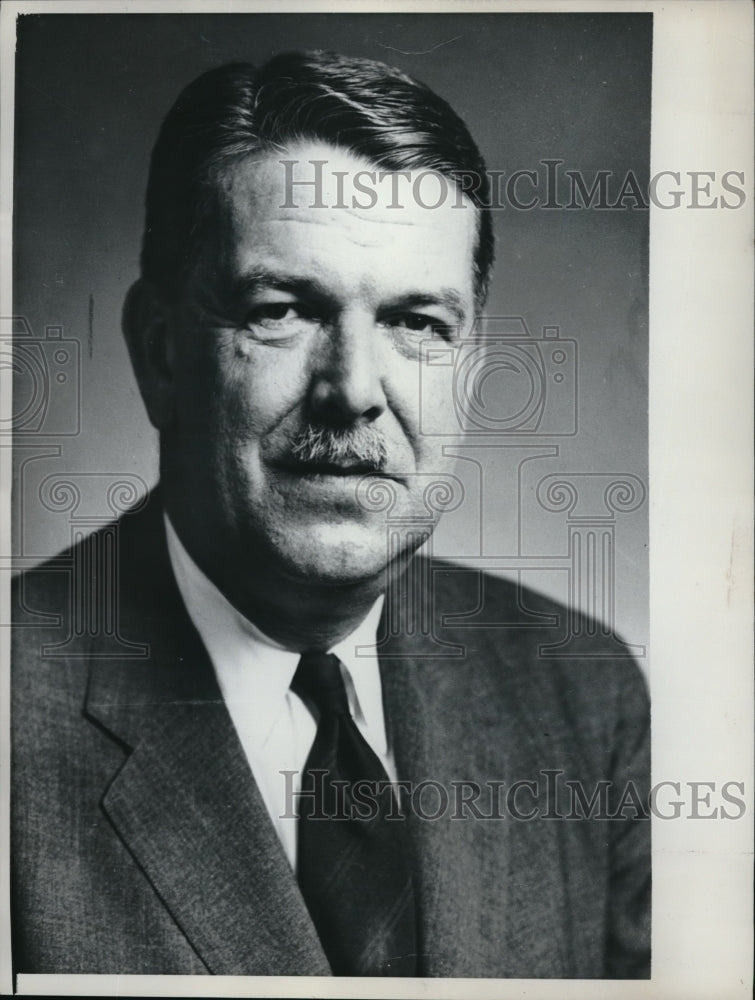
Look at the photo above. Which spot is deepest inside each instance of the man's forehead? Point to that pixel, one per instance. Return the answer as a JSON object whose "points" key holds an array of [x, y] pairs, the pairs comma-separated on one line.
{"points": [[318, 185]]}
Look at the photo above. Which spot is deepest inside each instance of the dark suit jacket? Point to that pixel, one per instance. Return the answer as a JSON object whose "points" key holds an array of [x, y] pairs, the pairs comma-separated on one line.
{"points": [[140, 843]]}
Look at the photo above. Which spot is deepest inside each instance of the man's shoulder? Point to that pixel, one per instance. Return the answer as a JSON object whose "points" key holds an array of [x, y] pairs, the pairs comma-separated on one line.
{"points": [[538, 643], [118, 546], [61, 605]]}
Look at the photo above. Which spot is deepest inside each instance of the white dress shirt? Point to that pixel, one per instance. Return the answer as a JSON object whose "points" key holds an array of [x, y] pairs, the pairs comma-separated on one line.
{"points": [[254, 674]]}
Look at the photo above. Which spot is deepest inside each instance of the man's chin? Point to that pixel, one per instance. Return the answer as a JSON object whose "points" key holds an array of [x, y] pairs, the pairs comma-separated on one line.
{"points": [[333, 556], [335, 566]]}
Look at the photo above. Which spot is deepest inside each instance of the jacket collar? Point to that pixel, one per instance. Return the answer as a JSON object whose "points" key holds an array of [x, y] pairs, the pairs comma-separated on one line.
{"points": [[184, 802]]}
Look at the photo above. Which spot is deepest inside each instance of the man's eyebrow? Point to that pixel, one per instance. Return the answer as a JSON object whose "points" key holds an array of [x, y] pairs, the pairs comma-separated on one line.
{"points": [[261, 278], [450, 298]]}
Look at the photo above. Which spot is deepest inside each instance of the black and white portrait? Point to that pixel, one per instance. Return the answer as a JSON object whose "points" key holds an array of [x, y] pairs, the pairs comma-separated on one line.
{"points": [[330, 494]]}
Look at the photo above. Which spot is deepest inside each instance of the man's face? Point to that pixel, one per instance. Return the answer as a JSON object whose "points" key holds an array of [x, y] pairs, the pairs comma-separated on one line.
{"points": [[299, 369]]}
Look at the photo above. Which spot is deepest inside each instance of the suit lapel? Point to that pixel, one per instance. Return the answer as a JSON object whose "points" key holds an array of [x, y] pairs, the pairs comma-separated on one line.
{"points": [[187, 809], [185, 804], [478, 880]]}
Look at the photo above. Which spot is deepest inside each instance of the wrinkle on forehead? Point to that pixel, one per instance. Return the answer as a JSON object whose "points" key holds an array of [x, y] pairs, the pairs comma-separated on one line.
{"points": [[364, 231], [360, 215]]}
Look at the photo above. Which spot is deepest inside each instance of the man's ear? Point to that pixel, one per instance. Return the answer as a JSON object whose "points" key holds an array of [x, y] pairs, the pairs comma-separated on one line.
{"points": [[149, 336]]}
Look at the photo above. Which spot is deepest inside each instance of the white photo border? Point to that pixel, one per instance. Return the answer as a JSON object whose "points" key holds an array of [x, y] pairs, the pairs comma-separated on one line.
{"points": [[701, 360]]}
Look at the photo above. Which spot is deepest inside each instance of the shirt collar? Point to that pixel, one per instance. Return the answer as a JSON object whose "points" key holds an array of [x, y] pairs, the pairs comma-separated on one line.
{"points": [[254, 672]]}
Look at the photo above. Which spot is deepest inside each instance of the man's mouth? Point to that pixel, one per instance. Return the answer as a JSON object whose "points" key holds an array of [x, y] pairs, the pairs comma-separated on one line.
{"points": [[344, 469]]}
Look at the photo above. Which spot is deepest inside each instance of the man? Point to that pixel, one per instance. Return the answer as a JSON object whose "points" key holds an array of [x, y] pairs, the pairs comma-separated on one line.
{"points": [[243, 798]]}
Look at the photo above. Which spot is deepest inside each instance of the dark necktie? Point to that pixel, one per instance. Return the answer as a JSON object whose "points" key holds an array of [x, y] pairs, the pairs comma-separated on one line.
{"points": [[353, 872]]}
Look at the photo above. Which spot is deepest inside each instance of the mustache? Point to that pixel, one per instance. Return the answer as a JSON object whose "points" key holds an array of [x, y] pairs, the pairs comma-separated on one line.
{"points": [[361, 445]]}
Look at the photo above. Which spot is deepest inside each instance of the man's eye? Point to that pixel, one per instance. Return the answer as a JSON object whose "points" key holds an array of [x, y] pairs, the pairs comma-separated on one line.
{"points": [[274, 316], [276, 310], [429, 326], [273, 311]]}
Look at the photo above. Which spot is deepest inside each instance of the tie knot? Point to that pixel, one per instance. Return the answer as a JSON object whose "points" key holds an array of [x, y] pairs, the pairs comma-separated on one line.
{"points": [[318, 676]]}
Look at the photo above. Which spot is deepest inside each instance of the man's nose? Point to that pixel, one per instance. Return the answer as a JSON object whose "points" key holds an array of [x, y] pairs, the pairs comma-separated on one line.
{"points": [[347, 384]]}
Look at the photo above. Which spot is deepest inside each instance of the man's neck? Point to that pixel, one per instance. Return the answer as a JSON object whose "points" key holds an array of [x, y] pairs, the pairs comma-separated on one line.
{"points": [[304, 617]]}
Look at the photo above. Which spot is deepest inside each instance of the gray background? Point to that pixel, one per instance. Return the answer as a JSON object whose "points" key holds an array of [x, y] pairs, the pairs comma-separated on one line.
{"points": [[91, 91]]}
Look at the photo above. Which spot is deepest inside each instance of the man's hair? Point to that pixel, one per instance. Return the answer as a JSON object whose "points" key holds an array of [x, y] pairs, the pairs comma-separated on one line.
{"points": [[359, 105]]}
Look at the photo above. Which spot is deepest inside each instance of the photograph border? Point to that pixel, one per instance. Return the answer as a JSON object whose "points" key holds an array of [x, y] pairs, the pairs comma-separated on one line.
{"points": [[700, 518]]}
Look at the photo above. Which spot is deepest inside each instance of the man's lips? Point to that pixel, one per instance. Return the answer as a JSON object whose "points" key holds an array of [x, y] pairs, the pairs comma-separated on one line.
{"points": [[355, 469], [327, 469]]}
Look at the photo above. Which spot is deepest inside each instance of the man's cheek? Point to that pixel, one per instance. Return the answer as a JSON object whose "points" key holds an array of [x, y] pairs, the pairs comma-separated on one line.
{"points": [[436, 410], [247, 405], [433, 459]]}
